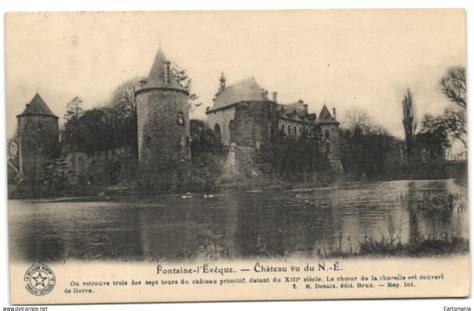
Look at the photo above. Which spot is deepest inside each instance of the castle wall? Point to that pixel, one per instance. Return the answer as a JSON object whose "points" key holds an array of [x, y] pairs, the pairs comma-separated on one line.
{"points": [[38, 139], [255, 123], [103, 167], [222, 118], [163, 131]]}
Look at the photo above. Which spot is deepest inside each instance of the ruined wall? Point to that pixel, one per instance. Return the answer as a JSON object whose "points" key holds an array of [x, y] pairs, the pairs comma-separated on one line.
{"points": [[108, 167], [163, 132], [38, 139], [255, 123]]}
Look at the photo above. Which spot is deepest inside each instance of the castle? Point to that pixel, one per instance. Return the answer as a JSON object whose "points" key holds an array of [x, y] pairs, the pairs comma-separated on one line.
{"points": [[242, 114]]}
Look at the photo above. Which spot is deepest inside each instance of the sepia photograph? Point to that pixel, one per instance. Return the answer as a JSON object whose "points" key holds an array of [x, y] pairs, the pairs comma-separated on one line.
{"points": [[326, 149]]}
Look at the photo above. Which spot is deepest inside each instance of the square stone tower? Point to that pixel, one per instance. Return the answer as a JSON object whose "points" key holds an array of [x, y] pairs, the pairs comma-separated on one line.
{"points": [[38, 139]]}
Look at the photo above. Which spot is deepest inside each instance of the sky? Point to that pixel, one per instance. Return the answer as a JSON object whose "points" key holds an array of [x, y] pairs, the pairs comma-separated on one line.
{"points": [[344, 58]]}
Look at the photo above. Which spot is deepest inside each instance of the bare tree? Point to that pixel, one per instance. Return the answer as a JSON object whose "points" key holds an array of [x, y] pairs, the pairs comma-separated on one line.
{"points": [[123, 97], [357, 119], [454, 86], [409, 120], [453, 122]]}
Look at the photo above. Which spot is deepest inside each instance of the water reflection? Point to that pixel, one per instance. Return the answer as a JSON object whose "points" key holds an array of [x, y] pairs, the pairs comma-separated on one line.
{"points": [[305, 222]]}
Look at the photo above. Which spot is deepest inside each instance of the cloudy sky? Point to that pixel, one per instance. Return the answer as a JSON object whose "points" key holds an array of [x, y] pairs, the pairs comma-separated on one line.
{"points": [[363, 59]]}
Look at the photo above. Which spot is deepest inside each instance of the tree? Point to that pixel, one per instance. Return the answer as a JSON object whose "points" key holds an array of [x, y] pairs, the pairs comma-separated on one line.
{"points": [[432, 140], [452, 122], [183, 79], [73, 109], [409, 120], [455, 122], [366, 147], [454, 86], [357, 120], [121, 113], [73, 114], [123, 98], [203, 139]]}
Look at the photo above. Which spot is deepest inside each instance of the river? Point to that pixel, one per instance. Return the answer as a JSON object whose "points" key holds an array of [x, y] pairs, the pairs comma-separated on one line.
{"points": [[246, 224]]}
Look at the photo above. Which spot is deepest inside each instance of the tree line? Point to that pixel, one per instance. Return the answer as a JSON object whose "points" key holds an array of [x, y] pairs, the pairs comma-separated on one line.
{"points": [[369, 151], [114, 123]]}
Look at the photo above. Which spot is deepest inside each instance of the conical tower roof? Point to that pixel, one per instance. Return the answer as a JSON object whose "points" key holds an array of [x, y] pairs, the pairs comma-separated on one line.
{"points": [[325, 116], [156, 77], [37, 106], [157, 71]]}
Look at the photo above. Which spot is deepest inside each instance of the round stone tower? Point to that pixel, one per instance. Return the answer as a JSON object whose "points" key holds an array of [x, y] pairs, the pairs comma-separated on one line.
{"points": [[38, 139], [163, 125]]}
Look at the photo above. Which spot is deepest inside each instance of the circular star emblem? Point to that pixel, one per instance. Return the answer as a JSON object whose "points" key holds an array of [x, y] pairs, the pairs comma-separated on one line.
{"points": [[40, 279]]}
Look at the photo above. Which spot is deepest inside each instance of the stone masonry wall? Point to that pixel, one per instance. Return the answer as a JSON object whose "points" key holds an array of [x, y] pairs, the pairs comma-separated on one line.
{"points": [[163, 132], [223, 118], [38, 138], [106, 167], [255, 123]]}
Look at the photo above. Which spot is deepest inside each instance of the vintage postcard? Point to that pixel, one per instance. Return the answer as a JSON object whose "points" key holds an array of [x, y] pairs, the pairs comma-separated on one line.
{"points": [[236, 155]]}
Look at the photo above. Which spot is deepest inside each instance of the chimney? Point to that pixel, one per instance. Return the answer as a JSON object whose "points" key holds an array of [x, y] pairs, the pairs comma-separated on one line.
{"points": [[222, 82], [275, 96], [167, 72], [334, 113]]}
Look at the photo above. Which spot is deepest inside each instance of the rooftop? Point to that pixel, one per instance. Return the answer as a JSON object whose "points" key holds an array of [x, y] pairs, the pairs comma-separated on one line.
{"points": [[244, 90], [157, 76], [37, 106]]}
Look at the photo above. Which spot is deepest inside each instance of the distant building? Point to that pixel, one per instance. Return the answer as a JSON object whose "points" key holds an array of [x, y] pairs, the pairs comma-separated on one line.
{"points": [[243, 114], [38, 139], [163, 122], [294, 119], [328, 128]]}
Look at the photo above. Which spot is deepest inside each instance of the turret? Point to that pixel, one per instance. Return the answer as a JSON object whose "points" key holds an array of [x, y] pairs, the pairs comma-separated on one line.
{"points": [[163, 124]]}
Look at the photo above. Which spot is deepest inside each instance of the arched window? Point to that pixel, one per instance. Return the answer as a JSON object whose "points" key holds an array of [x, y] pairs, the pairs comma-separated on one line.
{"points": [[295, 130], [289, 129], [326, 133], [217, 132], [328, 148]]}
